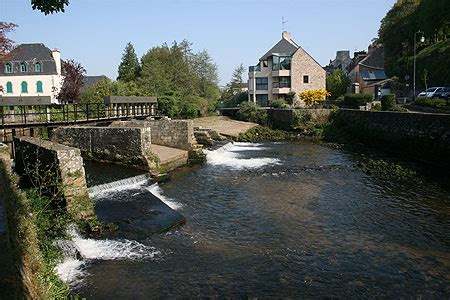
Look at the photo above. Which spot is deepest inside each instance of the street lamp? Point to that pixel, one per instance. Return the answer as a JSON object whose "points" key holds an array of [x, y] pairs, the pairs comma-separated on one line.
{"points": [[422, 39]]}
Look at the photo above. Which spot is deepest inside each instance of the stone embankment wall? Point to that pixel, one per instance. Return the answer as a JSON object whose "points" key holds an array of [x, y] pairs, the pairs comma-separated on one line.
{"points": [[125, 145], [170, 133], [57, 169], [419, 136], [285, 119]]}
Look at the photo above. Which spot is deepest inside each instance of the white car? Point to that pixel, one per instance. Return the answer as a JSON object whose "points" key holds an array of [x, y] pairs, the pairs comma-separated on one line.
{"points": [[430, 92]]}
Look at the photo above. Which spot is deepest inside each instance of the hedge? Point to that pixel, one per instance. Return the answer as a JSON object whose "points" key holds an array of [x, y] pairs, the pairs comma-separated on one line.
{"points": [[357, 100]]}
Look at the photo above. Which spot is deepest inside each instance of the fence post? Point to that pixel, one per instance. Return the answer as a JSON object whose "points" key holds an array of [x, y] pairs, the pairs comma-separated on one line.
{"points": [[87, 112]]}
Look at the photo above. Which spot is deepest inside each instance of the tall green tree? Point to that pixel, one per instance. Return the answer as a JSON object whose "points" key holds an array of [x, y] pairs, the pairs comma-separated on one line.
{"points": [[129, 66], [337, 83]]}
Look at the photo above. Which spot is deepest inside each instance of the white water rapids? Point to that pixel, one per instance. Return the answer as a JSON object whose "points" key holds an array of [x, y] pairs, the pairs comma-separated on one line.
{"points": [[72, 270]]}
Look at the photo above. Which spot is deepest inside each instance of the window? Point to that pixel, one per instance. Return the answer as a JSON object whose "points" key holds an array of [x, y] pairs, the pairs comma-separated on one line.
{"points": [[285, 82], [281, 63], [9, 87], [262, 100], [262, 84], [37, 67], [305, 78], [8, 68], [39, 87], [265, 63], [23, 67], [24, 87]]}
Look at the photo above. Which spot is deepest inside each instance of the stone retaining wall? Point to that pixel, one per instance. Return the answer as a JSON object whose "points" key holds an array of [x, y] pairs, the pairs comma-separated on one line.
{"points": [[280, 118], [420, 136], [57, 170], [125, 145]]}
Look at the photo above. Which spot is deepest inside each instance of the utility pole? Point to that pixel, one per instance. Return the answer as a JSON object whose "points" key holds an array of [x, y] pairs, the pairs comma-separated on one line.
{"points": [[422, 39]]}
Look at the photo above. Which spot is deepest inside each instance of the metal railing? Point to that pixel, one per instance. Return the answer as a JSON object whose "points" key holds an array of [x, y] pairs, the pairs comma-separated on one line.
{"points": [[19, 119]]}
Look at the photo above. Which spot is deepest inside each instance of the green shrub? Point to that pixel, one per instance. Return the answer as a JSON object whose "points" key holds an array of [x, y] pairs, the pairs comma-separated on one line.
{"points": [[432, 102], [357, 100], [252, 113], [278, 104], [388, 102], [290, 98], [376, 107]]}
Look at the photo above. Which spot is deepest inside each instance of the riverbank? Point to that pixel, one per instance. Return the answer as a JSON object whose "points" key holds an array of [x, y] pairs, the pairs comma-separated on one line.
{"points": [[225, 126]]}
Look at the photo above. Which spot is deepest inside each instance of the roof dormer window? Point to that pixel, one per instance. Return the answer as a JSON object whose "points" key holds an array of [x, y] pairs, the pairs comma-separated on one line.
{"points": [[8, 68], [23, 67], [37, 67]]}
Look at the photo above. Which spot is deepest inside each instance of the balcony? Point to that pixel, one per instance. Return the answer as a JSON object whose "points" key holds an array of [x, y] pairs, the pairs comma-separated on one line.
{"points": [[281, 87], [281, 73]]}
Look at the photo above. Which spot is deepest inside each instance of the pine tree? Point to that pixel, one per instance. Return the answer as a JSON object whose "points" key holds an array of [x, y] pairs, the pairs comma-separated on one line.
{"points": [[129, 66]]}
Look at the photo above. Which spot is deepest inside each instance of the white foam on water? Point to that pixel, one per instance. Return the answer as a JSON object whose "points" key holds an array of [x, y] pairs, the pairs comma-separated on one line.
{"points": [[71, 270], [156, 190], [119, 185], [229, 156]]}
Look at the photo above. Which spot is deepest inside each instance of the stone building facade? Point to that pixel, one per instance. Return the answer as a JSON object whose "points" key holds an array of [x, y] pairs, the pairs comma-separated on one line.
{"points": [[284, 69]]}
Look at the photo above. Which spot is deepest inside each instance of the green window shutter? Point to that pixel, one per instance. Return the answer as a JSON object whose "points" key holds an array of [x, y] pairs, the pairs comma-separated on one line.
{"points": [[24, 87], [9, 87], [39, 87], [23, 67], [37, 67], [8, 68]]}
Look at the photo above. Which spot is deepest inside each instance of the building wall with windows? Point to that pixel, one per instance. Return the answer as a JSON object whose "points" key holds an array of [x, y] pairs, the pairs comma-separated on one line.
{"points": [[32, 71], [286, 68], [307, 73]]}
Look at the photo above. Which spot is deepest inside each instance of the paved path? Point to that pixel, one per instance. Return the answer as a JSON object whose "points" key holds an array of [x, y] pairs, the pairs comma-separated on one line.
{"points": [[224, 125]]}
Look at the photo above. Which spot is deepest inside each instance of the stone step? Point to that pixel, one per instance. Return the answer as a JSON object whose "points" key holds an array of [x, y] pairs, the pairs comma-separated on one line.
{"points": [[169, 158]]}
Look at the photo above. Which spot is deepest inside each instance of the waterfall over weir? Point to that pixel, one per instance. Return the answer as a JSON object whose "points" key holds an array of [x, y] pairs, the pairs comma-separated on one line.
{"points": [[119, 185]]}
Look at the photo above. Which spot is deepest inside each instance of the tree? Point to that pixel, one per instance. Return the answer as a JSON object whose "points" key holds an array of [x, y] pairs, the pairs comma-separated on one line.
{"points": [[236, 78], [73, 81], [6, 44], [49, 6], [337, 83], [129, 66]]}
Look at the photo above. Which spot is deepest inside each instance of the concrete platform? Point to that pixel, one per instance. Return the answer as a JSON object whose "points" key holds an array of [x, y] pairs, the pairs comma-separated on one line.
{"points": [[170, 158], [224, 125]]}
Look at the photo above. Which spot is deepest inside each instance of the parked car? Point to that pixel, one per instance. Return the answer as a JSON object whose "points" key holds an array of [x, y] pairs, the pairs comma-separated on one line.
{"points": [[430, 92], [443, 93]]}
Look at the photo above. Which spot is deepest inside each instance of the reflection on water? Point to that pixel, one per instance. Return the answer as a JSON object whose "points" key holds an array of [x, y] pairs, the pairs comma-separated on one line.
{"points": [[284, 220]]}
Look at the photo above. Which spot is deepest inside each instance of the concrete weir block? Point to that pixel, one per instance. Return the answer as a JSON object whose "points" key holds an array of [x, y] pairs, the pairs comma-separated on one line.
{"points": [[57, 170], [123, 145]]}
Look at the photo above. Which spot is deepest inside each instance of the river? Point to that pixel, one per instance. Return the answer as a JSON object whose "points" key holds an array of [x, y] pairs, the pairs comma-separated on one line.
{"points": [[268, 220]]}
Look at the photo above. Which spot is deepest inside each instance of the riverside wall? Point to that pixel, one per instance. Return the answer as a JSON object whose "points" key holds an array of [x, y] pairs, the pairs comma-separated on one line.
{"points": [[124, 145], [418, 136], [56, 169], [286, 119]]}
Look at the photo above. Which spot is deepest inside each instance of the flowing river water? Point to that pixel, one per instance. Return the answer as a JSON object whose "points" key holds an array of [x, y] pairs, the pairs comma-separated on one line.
{"points": [[267, 220]]}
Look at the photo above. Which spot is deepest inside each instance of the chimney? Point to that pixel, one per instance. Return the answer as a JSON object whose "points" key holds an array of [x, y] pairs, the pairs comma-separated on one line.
{"points": [[286, 35], [57, 57]]}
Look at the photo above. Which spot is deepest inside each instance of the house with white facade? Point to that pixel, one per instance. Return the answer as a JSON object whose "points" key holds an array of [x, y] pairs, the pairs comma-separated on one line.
{"points": [[31, 75], [285, 68]]}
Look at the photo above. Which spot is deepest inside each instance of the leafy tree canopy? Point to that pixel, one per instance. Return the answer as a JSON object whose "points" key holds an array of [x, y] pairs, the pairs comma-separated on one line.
{"points": [[129, 66], [337, 83], [49, 6]]}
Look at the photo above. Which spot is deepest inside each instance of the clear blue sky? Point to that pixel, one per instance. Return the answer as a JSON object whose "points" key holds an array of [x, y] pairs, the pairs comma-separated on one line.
{"points": [[95, 32]]}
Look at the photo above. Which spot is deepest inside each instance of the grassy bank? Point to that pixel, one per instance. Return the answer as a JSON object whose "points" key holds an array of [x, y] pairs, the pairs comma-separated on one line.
{"points": [[34, 256]]}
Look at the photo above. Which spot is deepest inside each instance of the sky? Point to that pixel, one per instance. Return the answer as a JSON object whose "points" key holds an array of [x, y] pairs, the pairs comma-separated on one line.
{"points": [[95, 32]]}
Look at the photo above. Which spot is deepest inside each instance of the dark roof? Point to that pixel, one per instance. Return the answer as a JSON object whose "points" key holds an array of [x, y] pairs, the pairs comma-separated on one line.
{"points": [[375, 58], [368, 75], [30, 54], [90, 80], [355, 61], [282, 48]]}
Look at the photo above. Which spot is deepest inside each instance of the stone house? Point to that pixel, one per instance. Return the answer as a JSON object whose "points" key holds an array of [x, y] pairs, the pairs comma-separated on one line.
{"points": [[32, 75], [367, 71], [341, 61], [285, 68]]}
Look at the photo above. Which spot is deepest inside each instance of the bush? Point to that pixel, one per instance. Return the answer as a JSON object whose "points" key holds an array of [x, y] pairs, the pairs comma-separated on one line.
{"points": [[432, 102], [278, 104], [252, 113], [388, 102], [290, 97], [376, 107], [312, 97], [357, 100]]}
